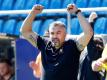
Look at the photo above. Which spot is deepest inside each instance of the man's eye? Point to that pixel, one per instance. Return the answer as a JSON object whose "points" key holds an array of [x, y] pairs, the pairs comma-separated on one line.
{"points": [[59, 33], [52, 33]]}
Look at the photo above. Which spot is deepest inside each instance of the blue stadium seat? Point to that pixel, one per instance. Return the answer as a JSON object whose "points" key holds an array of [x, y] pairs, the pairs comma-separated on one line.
{"points": [[104, 3], [66, 2], [45, 26], [55, 4], [1, 25], [105, 31], [94, 3], [81, 3], [75, 27], [100, 25], [7, 5], [9, 26], [1, 2], [45, 3], [64, 20], [19, 5], [29, 4], [36, 25], [17, 28]]}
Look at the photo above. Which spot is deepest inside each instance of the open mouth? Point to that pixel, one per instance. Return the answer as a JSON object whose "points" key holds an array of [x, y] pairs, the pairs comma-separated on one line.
{"points": [[55, 40]]}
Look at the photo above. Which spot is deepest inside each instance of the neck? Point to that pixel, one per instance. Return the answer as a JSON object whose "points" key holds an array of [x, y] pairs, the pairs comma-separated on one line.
{"points": [[57, 47]]}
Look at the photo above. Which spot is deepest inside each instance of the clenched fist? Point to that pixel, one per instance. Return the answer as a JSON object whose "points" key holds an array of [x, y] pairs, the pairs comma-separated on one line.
{"points": [[37, 9], [36, 68], [71, 8]]}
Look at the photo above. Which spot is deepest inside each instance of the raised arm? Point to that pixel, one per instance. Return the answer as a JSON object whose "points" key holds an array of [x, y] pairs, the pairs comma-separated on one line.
{"points": [[84, 38], [26, 28]]}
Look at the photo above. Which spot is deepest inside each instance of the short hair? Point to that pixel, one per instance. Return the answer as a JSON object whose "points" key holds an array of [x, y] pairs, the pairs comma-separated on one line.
{"points": [[5, 60], [56, 23], [98, 41]]}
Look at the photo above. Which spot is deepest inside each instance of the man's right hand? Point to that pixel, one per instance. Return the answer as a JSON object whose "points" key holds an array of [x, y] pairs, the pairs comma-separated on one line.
{"points": [[96, 65], [37, 8], [71, 8], [36, 68]]}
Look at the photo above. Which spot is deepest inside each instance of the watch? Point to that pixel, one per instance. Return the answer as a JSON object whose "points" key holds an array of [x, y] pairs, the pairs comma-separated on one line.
{"points": [[77, 11]]}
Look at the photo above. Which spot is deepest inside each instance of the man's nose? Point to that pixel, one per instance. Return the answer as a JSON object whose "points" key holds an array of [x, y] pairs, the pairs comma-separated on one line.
{"points": [[54, 36]]}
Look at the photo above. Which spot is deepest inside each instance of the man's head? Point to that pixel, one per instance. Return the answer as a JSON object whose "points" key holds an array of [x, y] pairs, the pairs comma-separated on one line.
{"points": [[5, 66], [57, 33], [98, 41]]}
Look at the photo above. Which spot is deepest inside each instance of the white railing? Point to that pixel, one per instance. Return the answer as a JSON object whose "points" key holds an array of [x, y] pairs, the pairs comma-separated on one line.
{"points": [[52, 10]]}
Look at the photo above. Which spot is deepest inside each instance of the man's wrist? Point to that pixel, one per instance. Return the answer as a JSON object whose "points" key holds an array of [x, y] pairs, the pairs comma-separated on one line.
{"points": [[78, 11], [33, 12]]}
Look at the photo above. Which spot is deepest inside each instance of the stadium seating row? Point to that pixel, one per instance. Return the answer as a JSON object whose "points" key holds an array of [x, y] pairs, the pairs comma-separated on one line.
{"points": [[49, 4], [12, 26]]}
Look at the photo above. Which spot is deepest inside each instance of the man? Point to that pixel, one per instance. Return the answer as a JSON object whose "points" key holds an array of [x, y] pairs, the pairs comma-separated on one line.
{"points": [[92, 52], [6, 71], [83, 66], [101, 63], [60, 57]]}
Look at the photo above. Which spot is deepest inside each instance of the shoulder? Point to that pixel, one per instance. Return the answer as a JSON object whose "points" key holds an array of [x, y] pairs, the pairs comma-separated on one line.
{"points": [[73, 42], [70, 41]]}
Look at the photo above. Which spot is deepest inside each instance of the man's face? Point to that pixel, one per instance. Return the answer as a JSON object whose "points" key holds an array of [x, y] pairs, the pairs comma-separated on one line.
{"points": [[4, 69], [57, 35], [99, 44]]}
